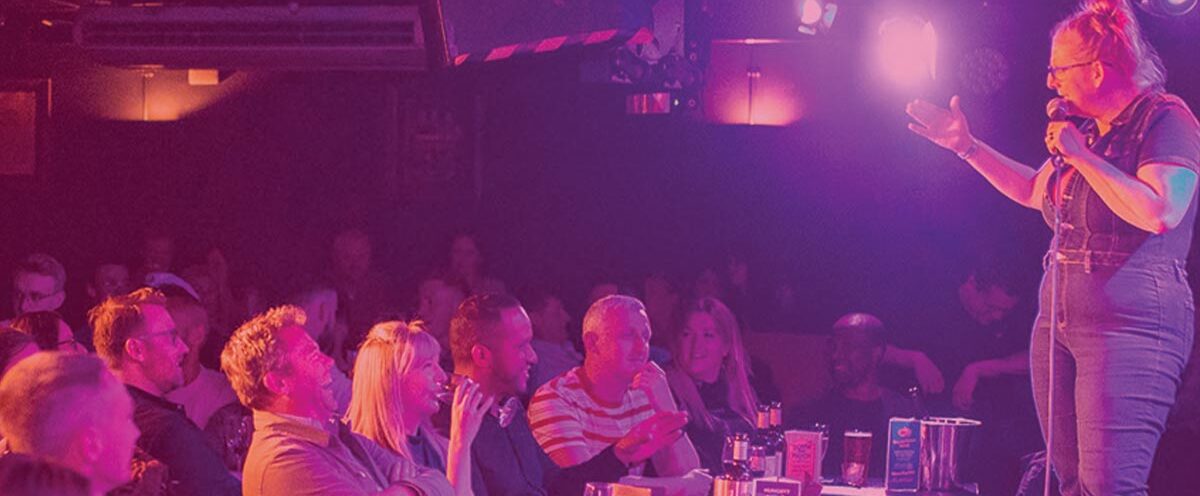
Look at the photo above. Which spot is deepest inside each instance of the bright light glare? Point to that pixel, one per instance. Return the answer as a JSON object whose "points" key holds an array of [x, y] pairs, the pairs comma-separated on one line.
{"points": [[811, 12], [908, 51]]}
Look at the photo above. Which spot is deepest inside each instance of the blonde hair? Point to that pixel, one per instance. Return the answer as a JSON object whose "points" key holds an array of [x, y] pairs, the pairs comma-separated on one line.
{"points": [[391, 350], [254, 350], [735, 367], [1110, 32]]}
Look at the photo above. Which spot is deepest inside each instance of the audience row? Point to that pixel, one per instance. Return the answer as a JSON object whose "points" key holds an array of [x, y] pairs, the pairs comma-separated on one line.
{"points": [[482, 393]]}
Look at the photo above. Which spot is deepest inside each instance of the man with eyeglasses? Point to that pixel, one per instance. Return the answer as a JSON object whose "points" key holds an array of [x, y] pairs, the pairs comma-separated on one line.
{"points": [[137, 338], [37, 284]]}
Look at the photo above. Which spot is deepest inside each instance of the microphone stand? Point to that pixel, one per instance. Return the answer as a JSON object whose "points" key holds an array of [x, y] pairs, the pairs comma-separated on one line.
{"points": [[1054, 271]]}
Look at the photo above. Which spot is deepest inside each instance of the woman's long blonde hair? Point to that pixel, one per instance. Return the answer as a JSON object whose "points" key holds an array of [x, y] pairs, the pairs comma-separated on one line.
{"points": [[391, 350], [735, 368]]}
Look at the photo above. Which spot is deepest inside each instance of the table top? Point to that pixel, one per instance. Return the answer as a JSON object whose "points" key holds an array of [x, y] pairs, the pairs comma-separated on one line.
{"points": [[875, 488]]}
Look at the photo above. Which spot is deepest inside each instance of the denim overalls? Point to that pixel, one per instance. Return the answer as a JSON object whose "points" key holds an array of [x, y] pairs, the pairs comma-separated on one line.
{"points": [[1124, 309]]}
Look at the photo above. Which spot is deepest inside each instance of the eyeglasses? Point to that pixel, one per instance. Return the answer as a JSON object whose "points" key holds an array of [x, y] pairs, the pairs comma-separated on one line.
{"points": [[1054, 71], [33, 297], [172, 333], [70, 345]]}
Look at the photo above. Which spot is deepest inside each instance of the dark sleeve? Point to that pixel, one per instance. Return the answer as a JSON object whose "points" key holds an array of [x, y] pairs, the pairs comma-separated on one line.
{"points": [[478, 486], [1172, 137], [604, 467], [182, 447]]}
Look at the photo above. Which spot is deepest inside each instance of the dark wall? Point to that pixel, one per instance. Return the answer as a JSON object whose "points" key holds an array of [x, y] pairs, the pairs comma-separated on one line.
{"points": [[861, 213]]}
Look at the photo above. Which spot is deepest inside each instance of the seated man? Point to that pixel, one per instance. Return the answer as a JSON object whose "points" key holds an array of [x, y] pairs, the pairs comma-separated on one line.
{"points": [[556, 353], [858, 401], [615, 393], [139, 340], [981, 341], [437, 298], [299, 446], [204, 390], [69, 408], [108, 279]]}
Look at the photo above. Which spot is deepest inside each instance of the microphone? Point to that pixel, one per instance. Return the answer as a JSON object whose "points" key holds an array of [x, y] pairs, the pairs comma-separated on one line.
{"points": [[1058, 110]]}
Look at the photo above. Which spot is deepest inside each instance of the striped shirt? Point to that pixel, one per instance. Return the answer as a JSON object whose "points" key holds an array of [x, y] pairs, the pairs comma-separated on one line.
{"points": [[564, 414]]}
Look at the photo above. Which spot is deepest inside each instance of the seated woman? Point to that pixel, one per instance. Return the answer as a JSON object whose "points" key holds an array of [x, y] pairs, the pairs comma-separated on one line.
{"points": [[397, 384], [711, 378], [49, 331]]}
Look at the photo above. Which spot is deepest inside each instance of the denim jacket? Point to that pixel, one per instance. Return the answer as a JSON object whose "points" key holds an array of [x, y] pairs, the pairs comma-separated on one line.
{"points": [[1155, 128]]}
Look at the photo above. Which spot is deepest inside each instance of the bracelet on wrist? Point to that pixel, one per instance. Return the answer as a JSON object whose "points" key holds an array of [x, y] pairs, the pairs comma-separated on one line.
{"points": [[970, 151]]}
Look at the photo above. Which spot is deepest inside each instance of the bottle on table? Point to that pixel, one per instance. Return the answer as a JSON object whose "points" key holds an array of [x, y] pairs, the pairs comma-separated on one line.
{"points": [[777, 438], [765, 453], [737, 479]]}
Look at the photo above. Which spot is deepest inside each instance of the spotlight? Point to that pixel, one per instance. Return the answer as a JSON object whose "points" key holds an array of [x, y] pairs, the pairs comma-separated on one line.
{"points": [[816, 16], [1167, 8], [907, 52]]}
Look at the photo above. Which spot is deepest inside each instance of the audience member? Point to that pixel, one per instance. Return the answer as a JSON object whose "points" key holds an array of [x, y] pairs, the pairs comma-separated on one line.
{"points": [[109, 279], [437, 298], [38, 284], [711, 378], [363, 293], [858, 401], [707, 284], [658, 353], [49, 331], [215, 292], [466, 265], [556, 352], [69, 408], [299, 448], [14, 347], [491, 342], [984, 350], [744, 296], [139, 340], [782, 312], [617, 399], [662, 305], [397, 384], [24, 475], [204, 390], [320, 304], [607, 287], [156, 254]]}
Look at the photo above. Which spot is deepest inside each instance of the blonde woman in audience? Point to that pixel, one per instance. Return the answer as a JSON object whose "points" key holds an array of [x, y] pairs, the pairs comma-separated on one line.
{"points": [[397, 385], [711, 377]]}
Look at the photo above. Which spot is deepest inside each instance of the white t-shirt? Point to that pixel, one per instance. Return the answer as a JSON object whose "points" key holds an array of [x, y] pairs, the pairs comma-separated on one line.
{"points": [[204, 396]]}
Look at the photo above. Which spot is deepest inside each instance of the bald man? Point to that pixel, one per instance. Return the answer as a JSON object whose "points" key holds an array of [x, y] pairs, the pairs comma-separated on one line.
{"points": [[858, 401], [69, 408]]}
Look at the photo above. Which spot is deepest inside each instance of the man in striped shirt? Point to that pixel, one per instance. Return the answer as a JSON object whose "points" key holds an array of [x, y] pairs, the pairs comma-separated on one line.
{"points": [[618, 399]]}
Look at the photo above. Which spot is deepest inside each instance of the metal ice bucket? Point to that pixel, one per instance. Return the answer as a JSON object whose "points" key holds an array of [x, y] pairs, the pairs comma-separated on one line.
{"points": [[944, 444]]}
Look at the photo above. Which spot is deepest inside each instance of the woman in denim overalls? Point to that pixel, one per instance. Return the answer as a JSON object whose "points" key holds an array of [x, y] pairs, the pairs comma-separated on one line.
{"points": [[1125, 203]]}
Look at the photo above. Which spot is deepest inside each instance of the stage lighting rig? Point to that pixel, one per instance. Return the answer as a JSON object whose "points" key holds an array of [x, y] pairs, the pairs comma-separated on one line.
{"points": [[816, 16]]}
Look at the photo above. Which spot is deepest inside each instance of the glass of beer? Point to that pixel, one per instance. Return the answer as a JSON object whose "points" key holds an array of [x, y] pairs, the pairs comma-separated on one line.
{"points": [[856, 457]]}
